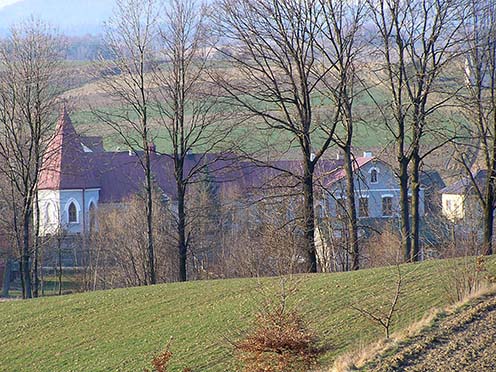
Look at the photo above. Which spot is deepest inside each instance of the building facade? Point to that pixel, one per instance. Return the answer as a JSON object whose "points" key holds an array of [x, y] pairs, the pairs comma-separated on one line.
{"points": [[377, 193], [79, 176]]}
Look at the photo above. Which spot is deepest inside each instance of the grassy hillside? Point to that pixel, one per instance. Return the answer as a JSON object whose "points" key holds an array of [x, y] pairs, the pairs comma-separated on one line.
{"points": [[120, 330]]}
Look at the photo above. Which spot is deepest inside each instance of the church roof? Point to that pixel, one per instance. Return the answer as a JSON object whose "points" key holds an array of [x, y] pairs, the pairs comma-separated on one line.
{"points": [[75, 162], [65, 164]]}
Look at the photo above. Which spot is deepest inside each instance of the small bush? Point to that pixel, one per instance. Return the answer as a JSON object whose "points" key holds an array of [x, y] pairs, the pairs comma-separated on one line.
{"points": [[466, 277], [161, 361], [280, 342]]}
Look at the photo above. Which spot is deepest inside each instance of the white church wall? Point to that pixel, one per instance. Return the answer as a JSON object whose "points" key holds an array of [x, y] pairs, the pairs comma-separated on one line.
{"points": [[49, 202]]}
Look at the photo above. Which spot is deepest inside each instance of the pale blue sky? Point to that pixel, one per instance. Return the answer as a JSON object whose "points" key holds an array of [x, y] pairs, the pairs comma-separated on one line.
{"points": [[4, 3]]}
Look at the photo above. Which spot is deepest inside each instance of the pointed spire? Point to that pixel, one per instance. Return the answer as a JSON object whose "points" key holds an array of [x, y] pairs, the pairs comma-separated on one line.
{"points": [[64, 164], [64, 124]]}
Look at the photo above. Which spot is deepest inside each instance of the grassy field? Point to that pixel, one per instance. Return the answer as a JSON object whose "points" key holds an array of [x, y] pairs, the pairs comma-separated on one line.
{"points": [[370, 131], [121, 330]]}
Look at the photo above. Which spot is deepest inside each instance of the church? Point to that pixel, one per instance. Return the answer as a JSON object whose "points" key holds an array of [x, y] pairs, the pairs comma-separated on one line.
{"points": [[78, 176]]}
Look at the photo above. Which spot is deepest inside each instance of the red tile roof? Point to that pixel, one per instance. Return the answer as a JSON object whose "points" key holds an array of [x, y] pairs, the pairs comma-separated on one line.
{"points": [[65, 164], [331, 176]]}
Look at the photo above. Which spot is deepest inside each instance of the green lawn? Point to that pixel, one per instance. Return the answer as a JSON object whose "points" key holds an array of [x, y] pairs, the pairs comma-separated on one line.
{"points": [[121, 330]]}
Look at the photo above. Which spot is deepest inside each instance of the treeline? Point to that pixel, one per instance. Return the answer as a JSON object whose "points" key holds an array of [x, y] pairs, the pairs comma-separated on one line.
{"points": [[85, 48]]}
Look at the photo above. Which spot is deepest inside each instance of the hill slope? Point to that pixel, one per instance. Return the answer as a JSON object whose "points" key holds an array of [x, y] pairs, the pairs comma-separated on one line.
{"points": [[463, 341], [122, 329]]}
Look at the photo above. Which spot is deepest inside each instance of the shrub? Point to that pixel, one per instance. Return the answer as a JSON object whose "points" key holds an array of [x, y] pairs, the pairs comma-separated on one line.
{"points": [[280, 342], [161, 361], [466, 277]]}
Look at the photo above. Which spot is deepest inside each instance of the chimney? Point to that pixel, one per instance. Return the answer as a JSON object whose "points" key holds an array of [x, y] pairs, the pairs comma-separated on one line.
{"points": [[367, 154], [152, 149]]}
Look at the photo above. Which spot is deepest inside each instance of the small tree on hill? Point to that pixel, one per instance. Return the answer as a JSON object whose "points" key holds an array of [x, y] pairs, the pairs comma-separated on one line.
{"points": [[280, 341]]}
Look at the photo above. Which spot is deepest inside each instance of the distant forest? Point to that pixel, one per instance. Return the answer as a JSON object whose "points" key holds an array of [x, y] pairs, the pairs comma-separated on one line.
{"points": [[85, 48]]}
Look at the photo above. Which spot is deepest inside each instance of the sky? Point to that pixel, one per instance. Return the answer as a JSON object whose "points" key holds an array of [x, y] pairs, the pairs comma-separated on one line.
{"points": [[4, 3], [70, 17]]}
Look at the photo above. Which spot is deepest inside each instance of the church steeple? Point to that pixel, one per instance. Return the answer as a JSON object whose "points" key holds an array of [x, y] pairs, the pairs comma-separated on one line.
{"points": [[64, 163]]}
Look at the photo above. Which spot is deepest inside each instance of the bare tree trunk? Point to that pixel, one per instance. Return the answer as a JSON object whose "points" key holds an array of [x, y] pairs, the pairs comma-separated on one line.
{"points": [[149, 217], [489, 204], [404, 210], [415, 208], [59, 262], [36, 277], [181, 230], [488, 220], [351, 218], [309, 216], [26, 254]]}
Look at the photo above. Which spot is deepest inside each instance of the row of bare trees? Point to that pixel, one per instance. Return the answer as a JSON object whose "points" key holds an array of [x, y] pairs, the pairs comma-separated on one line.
{"points": [[298, 66], [162, 53], [192, 76], [295, 68], [30, 76]]}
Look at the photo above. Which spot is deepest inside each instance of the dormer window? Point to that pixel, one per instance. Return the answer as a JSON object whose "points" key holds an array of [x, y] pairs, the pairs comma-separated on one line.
{"points": [[373, 175]]}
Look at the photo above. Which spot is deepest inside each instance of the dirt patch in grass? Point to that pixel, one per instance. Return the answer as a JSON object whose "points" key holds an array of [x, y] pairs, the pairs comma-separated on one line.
{"points": [[463, 341]]}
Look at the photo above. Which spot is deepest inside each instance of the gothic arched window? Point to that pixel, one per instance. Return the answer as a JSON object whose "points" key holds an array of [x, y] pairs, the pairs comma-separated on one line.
{"points": [[50, 213], [72, 213]]}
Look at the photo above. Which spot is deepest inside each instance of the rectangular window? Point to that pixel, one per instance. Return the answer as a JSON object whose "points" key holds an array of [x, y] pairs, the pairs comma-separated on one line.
{"points": [[387, 206], [363, 207], [449, 205]]}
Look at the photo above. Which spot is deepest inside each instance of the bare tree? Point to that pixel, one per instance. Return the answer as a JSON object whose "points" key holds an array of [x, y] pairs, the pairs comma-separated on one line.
{"points": [[30, 60], [281, 54], [188, 108], [416, 39], [479, 105], [130, 37], [384, 315], [340, 44]]}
